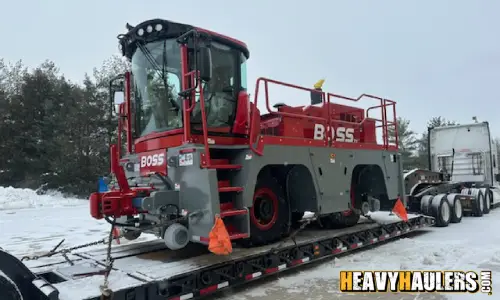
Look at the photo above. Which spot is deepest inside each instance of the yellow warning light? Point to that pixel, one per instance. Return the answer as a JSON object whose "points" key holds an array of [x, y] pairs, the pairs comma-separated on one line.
{"points": [[319, 84]]}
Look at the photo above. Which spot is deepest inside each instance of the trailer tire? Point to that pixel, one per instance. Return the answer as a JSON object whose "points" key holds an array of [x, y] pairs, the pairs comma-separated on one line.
{"points": [[8, 290], [488, 194], [479, 203], [425, 205], [441, 210], [268, 191], [457, 210]]}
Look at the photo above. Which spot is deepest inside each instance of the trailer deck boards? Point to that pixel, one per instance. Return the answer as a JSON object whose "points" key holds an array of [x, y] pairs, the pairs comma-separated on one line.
{"points": [[149, 268]]}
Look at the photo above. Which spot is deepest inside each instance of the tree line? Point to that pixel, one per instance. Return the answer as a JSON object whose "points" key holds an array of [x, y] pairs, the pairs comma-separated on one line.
{"points": [[56, 133]]}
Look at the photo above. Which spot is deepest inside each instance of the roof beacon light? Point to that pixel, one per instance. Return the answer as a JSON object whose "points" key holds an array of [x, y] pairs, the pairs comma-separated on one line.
{"points": [[158, 27]]}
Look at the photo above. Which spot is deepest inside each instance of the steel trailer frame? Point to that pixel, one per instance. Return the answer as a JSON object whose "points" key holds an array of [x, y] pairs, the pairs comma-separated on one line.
{"points": [[194, 280]]}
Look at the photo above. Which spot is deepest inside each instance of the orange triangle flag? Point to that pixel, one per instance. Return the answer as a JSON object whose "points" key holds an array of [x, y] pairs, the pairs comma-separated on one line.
{"points": [[400, 210], [219, 242], [116, 235]]}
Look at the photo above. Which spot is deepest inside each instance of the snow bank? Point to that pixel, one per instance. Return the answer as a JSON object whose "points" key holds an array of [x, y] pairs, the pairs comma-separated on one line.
{"points": [[12, 198]]}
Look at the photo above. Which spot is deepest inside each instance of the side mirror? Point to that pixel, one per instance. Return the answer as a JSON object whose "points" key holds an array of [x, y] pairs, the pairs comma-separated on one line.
{"points": [[205, 63], [316, 97], [118, 98], [497, 177]]}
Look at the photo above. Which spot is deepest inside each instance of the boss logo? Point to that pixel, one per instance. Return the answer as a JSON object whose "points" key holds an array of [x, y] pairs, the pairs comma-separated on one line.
{"points": [[152, 160], [340, 134]]}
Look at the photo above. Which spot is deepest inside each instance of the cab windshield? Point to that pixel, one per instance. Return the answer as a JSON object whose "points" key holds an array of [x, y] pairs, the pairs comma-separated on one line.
{"points": [[156, 69]]}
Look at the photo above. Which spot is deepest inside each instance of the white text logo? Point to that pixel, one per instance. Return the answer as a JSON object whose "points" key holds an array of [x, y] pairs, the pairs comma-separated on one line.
{"points": [[341, 134], [152, 160]]}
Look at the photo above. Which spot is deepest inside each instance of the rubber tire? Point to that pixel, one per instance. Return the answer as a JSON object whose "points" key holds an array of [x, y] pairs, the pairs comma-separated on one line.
{"points": [[454, 217], [169, 236], [487, 200], [296, 217], [281, 227], [131, 235], [425, 205], [478, 206], [437, 211], [339, 220], [8, 290]]}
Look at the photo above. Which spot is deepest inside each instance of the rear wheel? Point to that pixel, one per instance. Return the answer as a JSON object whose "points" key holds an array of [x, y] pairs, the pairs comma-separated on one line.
{"points": [[487, 200], [479, 203], [456, 208], [270, 213], [441, 210], [8, 290], [296, 217]]}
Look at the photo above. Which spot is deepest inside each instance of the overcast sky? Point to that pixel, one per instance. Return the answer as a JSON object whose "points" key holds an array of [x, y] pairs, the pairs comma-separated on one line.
{"points": [[433, 57]]}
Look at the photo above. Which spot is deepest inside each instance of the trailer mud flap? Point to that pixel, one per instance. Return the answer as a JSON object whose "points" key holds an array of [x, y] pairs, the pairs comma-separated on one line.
{"points": [[21, 281]]}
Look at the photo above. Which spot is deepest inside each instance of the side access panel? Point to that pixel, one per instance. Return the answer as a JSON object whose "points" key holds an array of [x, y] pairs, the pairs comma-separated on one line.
{"points": [[334, 169], [331, 170], [279, 156], [199, 189]]}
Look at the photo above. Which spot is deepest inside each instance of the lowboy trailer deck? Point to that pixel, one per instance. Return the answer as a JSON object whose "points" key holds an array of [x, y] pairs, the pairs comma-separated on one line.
{"points": [[148, 270]]}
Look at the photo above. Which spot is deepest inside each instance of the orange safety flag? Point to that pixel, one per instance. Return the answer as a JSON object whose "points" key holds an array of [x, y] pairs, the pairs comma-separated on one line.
{"points": [[400, 210], [116, 234], [218, 240]]}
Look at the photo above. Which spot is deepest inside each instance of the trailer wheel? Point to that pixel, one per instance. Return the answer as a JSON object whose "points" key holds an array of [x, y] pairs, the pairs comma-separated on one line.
{"points": [[441, 210], [425, 205], [457, 210], [270, 215], [479, 203], [488, 195], [8, 290]]}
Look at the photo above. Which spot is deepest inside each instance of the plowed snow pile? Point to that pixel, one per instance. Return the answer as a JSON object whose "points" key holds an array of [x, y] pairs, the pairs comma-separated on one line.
{"points": [[12, 198]]}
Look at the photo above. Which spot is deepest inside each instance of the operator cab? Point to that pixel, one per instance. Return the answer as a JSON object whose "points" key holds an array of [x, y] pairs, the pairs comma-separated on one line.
{"points": [[164, 92]]}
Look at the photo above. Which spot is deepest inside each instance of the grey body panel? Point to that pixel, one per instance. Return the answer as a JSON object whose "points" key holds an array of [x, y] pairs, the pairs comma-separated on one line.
{"points": [[329, 186], [331, 179]]}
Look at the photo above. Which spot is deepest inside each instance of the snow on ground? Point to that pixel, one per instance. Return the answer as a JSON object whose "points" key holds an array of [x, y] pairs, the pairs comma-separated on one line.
{"points": [[33, 224], [11, 198], [471, 245]]}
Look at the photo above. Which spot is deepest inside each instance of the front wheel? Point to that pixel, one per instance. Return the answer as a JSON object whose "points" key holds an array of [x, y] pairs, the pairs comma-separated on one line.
{"points": [[270, 215]]}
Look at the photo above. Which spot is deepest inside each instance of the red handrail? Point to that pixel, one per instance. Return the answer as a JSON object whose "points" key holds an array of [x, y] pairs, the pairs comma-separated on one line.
{"points": [[326, 99], [285, 114]]}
